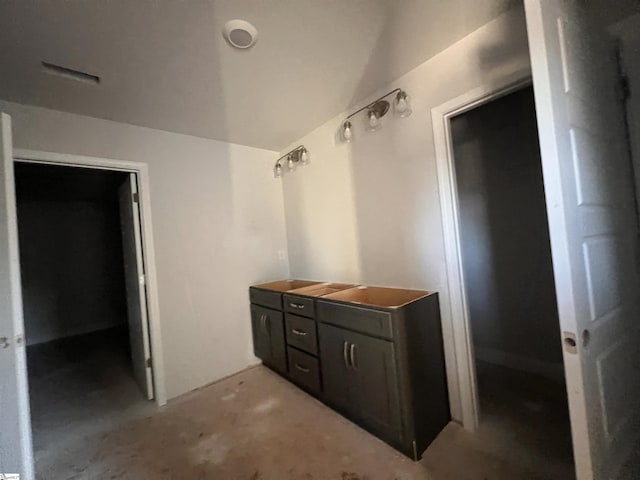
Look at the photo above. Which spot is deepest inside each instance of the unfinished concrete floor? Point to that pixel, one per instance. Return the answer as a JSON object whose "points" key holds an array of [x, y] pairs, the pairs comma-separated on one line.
{"points": [[80, 387], [524, 429], [251, 426], [530, 413]]}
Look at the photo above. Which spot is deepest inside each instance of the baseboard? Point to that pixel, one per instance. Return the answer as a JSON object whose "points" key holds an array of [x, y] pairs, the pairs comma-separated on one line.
{"points": [[553, 371], [47, 337]]}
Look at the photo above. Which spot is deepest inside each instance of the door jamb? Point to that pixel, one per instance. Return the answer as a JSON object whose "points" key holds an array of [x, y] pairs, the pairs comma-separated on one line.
{"points": [[461, 342], [153, 304]]}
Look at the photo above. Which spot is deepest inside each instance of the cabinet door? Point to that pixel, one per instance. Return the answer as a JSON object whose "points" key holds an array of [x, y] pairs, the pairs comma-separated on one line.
{"points": [[375, 385], [268, 337], [275, 326], [261, 341], [337, 377]]}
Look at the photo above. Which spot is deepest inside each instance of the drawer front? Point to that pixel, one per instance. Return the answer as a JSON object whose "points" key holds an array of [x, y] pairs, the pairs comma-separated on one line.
{"points": [[304, 369], [301, 333], [364, 320], [265, 298], [299, 305]]}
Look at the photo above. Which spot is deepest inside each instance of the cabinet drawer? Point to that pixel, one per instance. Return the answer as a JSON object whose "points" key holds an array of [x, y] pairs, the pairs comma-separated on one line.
{"points": [[372, 322], [299, 305], [265, 298], [301, 333], [304, 369]]}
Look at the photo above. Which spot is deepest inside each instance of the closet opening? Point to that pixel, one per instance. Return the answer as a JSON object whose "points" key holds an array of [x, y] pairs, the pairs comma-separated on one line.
{"points": [[509, 284], [85, 313]]}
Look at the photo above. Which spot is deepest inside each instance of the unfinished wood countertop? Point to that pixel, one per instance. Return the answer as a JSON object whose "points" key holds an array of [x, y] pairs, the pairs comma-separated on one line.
{"points": [[287, 285], [378, 296], [385, 297]]}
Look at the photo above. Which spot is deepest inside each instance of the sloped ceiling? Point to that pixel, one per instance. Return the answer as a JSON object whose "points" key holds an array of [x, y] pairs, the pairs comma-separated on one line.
{"points": [[164, 64]]}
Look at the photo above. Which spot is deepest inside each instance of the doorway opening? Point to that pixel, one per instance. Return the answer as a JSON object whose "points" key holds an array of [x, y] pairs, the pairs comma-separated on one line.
{"points": [[85, 313], [509, 283]]}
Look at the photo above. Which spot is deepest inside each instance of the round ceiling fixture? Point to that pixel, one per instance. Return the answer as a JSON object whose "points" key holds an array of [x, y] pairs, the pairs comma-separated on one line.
{"points": [[240, 33]]}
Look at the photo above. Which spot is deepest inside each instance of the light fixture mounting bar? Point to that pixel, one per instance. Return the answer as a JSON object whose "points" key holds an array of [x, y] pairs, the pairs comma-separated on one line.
{"points": [[298, 148], [297, 156], [70, 73], [372, 104]]}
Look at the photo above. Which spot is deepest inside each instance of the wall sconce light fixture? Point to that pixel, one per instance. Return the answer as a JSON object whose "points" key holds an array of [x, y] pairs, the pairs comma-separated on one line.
{"points": [[290, 161], [347, 132], [376, 110]]}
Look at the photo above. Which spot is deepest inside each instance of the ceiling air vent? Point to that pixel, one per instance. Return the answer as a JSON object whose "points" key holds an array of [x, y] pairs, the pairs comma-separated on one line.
{"points": [[70, 73], [240, 33]]}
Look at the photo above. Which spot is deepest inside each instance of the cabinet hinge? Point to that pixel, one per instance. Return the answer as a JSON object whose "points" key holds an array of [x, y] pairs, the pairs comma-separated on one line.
{"points": [[149, 362], [135, 197]]}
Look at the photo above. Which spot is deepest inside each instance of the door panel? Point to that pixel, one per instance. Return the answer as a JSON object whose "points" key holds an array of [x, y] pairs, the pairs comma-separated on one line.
{"points": [[376, 384], [16, 454], [337, 378], [593, 227], [135, 285]]}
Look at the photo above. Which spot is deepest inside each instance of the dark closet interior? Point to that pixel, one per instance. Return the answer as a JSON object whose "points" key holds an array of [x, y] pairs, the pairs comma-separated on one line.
{"points": [[74, 297], [509, 282]]}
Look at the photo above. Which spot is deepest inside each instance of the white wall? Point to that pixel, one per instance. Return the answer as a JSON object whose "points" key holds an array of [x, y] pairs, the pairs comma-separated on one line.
{"points": [[73, 282], [218, 227], [369, 211]]}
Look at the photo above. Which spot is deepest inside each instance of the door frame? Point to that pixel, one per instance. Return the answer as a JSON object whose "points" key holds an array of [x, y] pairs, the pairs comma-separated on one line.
{"points": [[463, 382], [153, 305]]}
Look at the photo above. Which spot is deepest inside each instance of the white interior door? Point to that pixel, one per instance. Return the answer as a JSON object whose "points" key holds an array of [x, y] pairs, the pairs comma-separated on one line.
{"points": [[15, 424], [135, 285], [593, 226]]}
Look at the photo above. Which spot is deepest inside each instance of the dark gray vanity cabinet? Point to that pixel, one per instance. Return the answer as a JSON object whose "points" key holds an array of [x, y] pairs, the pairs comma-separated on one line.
{"points": [[374, 354], [383, 367], [268, 337]]}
